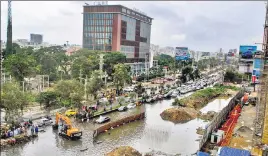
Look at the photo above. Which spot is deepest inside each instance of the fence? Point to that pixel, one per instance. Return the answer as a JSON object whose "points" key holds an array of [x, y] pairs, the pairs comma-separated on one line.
{"points": [[118, 123], [218, 119]]}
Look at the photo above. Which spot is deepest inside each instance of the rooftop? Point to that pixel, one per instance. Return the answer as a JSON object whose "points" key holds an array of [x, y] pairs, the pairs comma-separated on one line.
{"points": [[121, 6]]}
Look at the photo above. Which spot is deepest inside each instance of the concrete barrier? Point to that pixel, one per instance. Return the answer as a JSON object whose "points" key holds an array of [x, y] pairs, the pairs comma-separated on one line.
{"points": [[118, 123], [219, 118]]}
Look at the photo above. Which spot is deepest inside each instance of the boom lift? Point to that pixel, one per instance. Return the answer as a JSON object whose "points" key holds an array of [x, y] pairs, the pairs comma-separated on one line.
{"points": [[66, 129]]}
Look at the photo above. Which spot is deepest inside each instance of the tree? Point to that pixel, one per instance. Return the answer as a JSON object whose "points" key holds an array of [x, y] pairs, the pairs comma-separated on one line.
{"points": [[70, 91], [187, 72], [21, 65], [121, 100], [121, 75], [164, 60], [13, 100], [95, 83], [47, 98], [139, 89], [84, 62], [111, 59], [132, 95]]}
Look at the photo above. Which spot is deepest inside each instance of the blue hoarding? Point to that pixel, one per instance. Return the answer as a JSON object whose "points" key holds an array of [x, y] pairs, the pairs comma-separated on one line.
{"points": [[257, 63], [247, 51], [182, 53]]}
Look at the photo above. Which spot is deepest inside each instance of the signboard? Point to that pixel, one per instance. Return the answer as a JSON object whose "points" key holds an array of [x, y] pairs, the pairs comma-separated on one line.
{"points": [[257, 63], [182, 53], [253, 78], [247, 52], [256, 73]]}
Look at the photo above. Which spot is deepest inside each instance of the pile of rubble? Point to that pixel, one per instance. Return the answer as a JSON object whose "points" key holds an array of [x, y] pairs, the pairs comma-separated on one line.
{"points": [[179, 115]]}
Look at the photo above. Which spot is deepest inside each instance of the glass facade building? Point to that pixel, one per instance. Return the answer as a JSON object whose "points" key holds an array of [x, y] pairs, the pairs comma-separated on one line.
{"points": [[98, 31], [117, 28]]}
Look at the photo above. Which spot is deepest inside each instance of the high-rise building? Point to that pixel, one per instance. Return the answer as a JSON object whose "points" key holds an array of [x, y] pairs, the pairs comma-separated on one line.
{"points": [[36, 38], [118, 28]]}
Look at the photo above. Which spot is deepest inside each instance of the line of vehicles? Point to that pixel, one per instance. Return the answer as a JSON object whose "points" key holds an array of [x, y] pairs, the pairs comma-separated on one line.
{"points": [[63, 124], [193, 86]]}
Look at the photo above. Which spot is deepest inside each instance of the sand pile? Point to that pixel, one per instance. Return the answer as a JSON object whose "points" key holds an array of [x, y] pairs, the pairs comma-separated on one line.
{"points": [[124, 151], [179, 115], [207, 116]]}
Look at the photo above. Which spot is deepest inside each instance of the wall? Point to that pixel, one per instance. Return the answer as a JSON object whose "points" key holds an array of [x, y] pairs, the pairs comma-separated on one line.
{"points": [[217, 120], [117, 123]]}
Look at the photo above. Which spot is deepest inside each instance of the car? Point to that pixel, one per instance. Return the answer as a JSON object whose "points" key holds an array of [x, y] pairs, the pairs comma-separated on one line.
{"points": [[131, 105], [175, 94], [44, 122], [122, 108], [70, 112], [102, 119]]}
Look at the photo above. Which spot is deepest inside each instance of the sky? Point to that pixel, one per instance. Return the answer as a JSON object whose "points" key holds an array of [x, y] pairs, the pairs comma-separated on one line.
{"points": [[198, 25]]}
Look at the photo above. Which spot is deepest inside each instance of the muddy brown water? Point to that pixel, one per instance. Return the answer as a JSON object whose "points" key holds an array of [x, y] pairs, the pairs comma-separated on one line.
{"points": [[146, 135]]}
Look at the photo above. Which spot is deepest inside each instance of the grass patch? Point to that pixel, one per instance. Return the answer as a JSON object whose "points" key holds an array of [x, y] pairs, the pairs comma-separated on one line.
{"points": [[200, 98]]}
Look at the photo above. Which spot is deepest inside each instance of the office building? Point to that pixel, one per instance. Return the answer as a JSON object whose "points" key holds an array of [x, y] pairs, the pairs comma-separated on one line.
{"points": [[36, 38], [118, 28]]}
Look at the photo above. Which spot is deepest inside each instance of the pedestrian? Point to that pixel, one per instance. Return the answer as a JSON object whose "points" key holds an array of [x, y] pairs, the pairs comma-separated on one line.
{"points": [[32, 130], [36, 130]]}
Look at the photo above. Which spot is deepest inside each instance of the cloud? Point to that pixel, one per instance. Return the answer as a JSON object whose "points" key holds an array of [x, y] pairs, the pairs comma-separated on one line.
{"points": [[200, 25]]}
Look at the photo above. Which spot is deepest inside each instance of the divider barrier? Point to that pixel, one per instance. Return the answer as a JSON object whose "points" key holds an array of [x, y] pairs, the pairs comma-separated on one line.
{"points": [[219, 118]]}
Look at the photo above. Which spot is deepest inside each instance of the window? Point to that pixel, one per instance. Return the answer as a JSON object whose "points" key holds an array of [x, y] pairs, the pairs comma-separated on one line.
{"points": [[124, 10], [128, 11]]}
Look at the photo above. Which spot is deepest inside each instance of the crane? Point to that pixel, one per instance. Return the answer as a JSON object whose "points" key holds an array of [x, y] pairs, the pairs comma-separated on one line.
{"points": [[67, 130]]}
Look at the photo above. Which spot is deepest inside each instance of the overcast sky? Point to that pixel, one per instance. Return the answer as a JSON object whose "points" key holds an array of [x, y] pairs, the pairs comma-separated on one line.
{"points": [[203, 26]]}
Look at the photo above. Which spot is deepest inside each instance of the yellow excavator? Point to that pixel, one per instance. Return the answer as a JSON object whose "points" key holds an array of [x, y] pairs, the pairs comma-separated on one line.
{"points": [[66, 129]]}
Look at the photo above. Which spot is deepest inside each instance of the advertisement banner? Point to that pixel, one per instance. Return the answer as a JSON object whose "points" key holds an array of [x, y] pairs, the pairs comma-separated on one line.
{"points": [[182, 53], [247, 52], [257, 63]]}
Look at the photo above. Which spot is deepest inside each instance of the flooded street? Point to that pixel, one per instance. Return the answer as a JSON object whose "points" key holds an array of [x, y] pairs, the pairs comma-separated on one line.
{"points": [[152, 133]]}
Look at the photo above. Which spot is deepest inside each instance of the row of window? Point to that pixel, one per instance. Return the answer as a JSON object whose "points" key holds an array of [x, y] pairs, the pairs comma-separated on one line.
{"points": [[98, 47], [98, 35], [98, 41], [98, 22], [98, 16], [98, 29]]}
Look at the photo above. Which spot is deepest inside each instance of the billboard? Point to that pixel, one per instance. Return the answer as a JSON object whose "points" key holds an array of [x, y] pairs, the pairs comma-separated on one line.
{"points": [[257, 65], [182, 53], [247, 52]]}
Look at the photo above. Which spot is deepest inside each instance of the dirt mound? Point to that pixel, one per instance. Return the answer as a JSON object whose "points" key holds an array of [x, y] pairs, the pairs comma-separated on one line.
{"points": [[179, 115], [124, 151], [244, 129], [207, 116]]}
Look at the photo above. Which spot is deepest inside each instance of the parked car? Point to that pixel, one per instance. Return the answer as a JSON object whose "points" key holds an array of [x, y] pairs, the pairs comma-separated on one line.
{"points": [[102, 119], [122, 108], [70, 112], [44, 122], [131, 105]]}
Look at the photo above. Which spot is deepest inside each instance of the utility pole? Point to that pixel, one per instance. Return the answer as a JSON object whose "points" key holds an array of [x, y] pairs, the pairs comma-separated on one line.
{"points": [[80, 75], [85, 87], [9, 31]]}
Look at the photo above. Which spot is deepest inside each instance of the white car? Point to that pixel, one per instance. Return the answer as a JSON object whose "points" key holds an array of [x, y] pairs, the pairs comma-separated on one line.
{"points": [[122, 108], [131, 105], [44, 122], [102, 119]]}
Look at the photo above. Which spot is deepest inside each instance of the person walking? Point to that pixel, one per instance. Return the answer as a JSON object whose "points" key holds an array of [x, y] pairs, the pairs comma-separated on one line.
{"points": [[36, 130], [32, 130]]}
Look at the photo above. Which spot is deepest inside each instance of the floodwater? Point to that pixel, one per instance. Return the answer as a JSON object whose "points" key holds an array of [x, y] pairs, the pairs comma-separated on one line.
{"points": [[216, 105], [146, 135]]}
